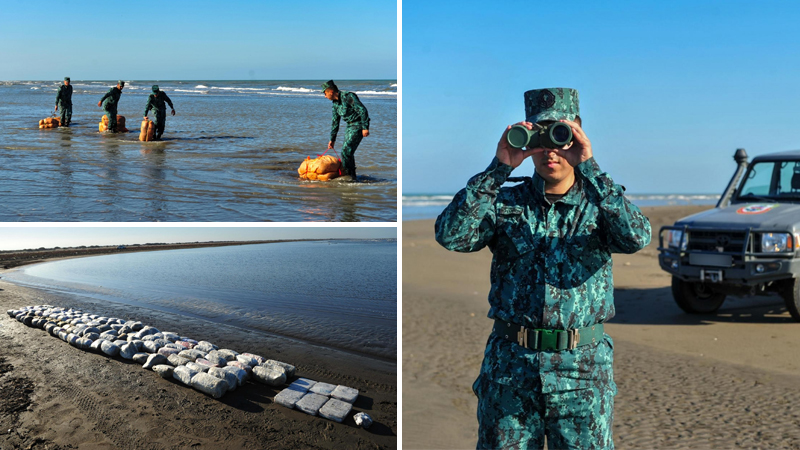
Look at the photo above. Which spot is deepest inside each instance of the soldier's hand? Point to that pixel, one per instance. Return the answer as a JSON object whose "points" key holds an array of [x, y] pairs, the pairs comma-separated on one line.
{"points": [[56, 108], [365, 133], [581, 148], [98, 103], [173, 112], [330, 145], [145, 117], [509, 155]]}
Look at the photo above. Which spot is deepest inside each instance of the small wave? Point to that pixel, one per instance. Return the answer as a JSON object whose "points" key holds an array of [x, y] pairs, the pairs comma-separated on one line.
{"points": [[393, 85], [201, 86], [238, 89], [191, 90], [427, 200], [376, 93], [35, 88], [291, 89]]}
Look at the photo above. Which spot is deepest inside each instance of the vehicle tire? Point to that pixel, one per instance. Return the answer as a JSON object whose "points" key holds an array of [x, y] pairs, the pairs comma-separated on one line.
{"points": [[696, 298], [791, 295]]}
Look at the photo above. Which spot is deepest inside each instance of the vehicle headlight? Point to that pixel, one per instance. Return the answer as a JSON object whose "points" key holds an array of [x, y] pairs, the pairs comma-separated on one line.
{"points": [[675, 239], [776, 242]]}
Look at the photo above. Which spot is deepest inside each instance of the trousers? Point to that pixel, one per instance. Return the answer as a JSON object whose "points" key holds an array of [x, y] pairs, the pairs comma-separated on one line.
{"points": [[352, 138]]}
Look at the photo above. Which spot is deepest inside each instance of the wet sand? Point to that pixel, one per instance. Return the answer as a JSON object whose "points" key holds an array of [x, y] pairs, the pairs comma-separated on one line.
{"points": [[60, 397], [726, 380]]}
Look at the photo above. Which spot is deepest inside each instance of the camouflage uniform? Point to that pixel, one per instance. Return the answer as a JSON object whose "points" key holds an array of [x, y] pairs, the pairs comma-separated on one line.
{"points": [[551, 270], [349, 108], [158, 104], [64, 103], [110, 101]]}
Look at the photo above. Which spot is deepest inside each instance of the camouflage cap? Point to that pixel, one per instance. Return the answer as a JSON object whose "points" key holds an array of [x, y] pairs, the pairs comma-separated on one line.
{"points": [[329, 85], [551, 104], [121, 83], [66, 78], [155, 88]]}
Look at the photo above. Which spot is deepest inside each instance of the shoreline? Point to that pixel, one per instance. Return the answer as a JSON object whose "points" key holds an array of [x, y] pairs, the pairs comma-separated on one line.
{"points": [[10, 259], [249, 410], [66, 291], [684, 381]]}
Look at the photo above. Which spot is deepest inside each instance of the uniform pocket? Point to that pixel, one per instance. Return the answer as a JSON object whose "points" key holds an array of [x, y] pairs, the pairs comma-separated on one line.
{"points": [[515, 229]]}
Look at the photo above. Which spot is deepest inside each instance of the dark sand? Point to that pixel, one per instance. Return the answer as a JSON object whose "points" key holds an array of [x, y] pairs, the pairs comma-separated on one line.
{"points": [[725, 380], [58, 397]]}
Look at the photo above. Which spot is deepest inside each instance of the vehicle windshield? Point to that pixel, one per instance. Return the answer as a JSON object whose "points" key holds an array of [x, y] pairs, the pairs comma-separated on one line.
{"points": [[771, 180]]}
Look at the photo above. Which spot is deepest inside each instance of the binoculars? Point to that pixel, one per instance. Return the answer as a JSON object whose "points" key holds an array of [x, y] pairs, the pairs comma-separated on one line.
{"points": [[552, 135]]}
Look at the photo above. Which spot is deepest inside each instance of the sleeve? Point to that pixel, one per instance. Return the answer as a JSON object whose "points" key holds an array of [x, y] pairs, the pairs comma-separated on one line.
{"points": [[626, 228], [362, 112], [58, 94], [150, 101], [468, 222], [108, 94], [334, 124], [168, 100]]}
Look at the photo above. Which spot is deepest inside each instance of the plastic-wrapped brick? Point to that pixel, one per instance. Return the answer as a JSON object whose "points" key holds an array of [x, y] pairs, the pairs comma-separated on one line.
{"points": [[290, 369], [109, 348], [154, 360], [335, 410], [259, 359], [184, 374], [363, 420], [176, 360], [140, 358], [209, 384], [345, 394], [302, 384], [164, 370], [222, 374], [250, 361], [323, 389], [311, 403], [289, 397], [127, 351], [241, 375], [197, 367], [273, 376], [192, 354]]}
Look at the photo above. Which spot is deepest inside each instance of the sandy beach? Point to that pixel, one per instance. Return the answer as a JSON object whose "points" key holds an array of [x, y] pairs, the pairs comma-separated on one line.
{"points": [[726, 380], [58, 397]]}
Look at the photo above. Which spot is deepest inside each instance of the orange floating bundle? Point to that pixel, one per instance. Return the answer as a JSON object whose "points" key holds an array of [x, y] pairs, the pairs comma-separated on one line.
{"points": [[148, 130], [50, 122], [103, 125], [322, 168]]}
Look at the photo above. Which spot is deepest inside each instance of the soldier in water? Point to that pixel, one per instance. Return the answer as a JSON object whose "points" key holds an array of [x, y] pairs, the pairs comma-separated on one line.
{"points": [[347, 106], [157, 102], [109, 103], [64, 101]]}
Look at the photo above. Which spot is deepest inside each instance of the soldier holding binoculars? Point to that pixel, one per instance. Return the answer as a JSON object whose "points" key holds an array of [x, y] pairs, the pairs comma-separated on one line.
{"points": [[547, 369]]}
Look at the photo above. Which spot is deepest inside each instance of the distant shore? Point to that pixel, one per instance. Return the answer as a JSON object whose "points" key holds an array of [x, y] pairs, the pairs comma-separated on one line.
{"points": [[16, 258]]}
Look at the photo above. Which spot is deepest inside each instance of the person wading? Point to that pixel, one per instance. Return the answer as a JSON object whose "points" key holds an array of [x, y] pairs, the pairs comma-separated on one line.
{"points": [[347, 106], [157, 102], [64, 101], [547, 368], [109, 103]]}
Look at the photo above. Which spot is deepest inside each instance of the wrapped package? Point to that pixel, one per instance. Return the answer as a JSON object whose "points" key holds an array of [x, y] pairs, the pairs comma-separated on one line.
{"points": [[335, 410], [322, 168], [147, 132], [209, 384]]}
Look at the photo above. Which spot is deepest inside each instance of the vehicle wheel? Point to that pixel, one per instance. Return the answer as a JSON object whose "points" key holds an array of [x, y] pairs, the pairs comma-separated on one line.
{"points": [[696, 298], [791, 295]]}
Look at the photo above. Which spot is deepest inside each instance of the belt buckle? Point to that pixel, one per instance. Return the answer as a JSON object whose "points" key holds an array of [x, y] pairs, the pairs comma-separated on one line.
{"points": [[549, 340], [573, 337], [522, 336]]}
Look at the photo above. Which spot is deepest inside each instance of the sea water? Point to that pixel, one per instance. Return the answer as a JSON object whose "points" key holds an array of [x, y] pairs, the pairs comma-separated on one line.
{"points": [[230, 154], [336, 293]]}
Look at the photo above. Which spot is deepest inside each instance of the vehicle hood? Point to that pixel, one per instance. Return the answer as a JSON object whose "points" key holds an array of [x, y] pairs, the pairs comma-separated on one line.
{"points": [[758, 216]]}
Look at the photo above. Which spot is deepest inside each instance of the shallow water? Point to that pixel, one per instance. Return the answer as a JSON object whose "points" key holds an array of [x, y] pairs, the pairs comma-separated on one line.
{"points": [[230, 154], [341, 294]]}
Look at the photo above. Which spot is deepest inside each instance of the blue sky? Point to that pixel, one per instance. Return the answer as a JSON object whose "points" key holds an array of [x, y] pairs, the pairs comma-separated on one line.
{"points": [[668, 90], [16, 238], [198, 40]]}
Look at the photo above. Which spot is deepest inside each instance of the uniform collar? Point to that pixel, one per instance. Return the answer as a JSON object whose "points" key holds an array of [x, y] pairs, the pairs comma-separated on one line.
{"points": [[571, 197]]}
